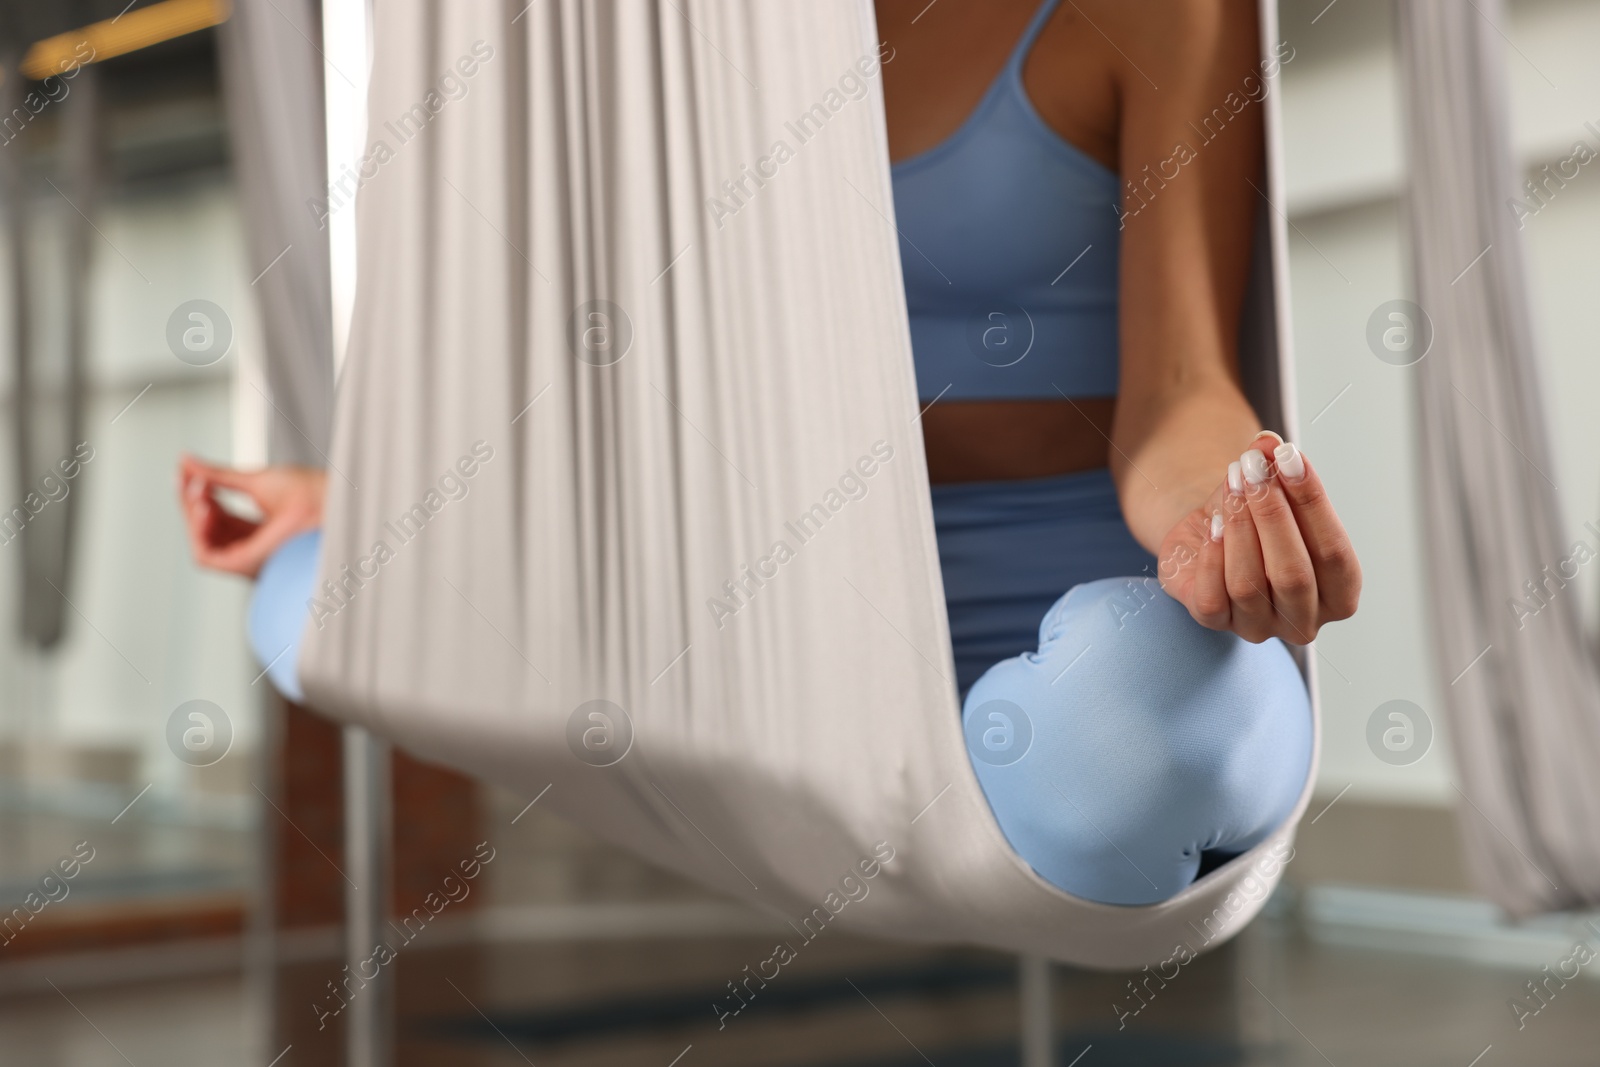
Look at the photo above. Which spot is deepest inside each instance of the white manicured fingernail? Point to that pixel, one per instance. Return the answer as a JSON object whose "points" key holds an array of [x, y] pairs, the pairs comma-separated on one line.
{"points": [[1235, 478], [1291, 464], [1254, 465], [1216, 526], [1269, 433]]}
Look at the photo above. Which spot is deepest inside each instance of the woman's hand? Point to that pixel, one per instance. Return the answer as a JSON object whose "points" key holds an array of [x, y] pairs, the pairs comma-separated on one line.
{"points": [[289, 498], [1265, 555]]}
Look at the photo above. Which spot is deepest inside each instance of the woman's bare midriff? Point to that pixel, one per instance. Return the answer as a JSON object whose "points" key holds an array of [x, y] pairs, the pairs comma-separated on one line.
{"points": [[1002, 440]]}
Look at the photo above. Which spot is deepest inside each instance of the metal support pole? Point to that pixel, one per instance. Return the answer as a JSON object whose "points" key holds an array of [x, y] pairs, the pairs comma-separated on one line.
{"points": [[261, 926], [1038, 1025], [369, 1024]]}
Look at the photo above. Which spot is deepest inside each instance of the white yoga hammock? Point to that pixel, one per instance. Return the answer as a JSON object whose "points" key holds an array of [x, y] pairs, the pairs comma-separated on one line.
{"points": [[625, 467]]}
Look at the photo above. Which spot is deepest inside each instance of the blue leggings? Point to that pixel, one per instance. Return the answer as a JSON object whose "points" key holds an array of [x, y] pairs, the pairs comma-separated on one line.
{"points": [[1130, 748]]}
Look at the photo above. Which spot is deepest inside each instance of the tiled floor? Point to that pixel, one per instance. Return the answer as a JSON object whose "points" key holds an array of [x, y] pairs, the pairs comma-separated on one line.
{"points": [[1274, 998]]}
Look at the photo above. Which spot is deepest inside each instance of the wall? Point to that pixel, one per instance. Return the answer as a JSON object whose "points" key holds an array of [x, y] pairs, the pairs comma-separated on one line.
{"points": [[1345, 174]]}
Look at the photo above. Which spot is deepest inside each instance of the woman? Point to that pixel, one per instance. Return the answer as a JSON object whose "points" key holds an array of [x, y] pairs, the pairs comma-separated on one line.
{"points": [[1076, 224]]}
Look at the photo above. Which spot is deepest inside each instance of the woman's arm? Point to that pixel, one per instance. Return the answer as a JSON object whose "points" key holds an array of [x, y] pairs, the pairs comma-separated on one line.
{"points": [[1187, 222], [1192, 92]]}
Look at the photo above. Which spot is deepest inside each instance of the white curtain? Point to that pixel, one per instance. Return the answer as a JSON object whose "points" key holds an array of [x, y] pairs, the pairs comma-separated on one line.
{"points": [[273, 75], [1517, 671]]}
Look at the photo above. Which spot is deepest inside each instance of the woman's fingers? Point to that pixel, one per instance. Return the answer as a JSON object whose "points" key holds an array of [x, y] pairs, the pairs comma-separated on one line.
{"points": [[196, 519], [1265, 555], [241, 547], [1333, 557], [244, 481], [289, 500], [1186, 555], [217, 538], [1246, 576], [221, 537], [1290, 579], [1208, 596]]}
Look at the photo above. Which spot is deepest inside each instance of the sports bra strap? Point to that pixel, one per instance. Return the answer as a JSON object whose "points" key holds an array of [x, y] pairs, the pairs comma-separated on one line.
{"points": [[1019, 56]]}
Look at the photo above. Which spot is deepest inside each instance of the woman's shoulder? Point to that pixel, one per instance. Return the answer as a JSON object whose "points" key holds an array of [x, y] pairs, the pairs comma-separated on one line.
{"points": [[1159, 37]]}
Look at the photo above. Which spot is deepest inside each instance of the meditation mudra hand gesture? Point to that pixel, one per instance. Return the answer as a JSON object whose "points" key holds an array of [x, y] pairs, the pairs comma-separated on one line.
{"points": [[288, 498], [1265, 555]]}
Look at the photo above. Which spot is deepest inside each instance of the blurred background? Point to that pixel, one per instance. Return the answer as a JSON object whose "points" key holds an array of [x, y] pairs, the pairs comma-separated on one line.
{"points": [[121, 206]]}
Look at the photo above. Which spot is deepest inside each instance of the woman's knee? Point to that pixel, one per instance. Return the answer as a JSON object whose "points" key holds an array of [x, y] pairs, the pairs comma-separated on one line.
{"points": [[278, 609], [1134, 739]]}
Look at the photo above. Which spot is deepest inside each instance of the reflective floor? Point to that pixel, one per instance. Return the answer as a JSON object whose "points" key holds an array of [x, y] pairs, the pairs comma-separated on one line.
{"points": [[1272, 998]]}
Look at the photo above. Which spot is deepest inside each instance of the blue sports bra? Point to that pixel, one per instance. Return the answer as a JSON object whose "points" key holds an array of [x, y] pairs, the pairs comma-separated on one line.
{"points": [[1009, 250]]}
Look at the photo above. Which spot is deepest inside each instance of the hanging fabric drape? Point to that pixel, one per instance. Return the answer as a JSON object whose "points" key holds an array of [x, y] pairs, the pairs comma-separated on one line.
{"points": [[628, 508], [273, 75], [1518, 675], [49, 395]]}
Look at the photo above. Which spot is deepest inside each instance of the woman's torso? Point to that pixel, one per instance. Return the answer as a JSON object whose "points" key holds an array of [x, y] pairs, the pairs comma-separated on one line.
{"points": [[1005, 154]]}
